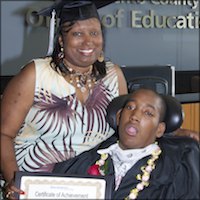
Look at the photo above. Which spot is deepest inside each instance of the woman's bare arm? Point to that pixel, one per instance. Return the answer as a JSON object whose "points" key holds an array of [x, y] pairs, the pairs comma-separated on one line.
{"points": [[122, 81], [15, 104]]}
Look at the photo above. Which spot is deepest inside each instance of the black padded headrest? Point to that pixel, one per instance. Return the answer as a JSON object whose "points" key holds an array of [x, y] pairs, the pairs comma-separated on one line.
{"points": [[173, 117]]}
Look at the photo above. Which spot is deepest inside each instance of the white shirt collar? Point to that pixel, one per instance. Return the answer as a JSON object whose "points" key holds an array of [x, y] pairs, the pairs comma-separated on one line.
{"points": [[129, 154], [123, 160]]}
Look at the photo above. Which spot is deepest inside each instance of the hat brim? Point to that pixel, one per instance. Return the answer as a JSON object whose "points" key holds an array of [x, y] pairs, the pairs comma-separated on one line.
{"points": [[47, 11], [100, 4]]}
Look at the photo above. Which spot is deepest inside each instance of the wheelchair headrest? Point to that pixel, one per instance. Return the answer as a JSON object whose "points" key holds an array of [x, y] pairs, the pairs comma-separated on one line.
{"points": [[173, 116]]}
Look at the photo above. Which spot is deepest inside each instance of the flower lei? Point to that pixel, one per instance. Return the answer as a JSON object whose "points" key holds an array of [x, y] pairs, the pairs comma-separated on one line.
{"points": [[144, 178], [100, 168]]}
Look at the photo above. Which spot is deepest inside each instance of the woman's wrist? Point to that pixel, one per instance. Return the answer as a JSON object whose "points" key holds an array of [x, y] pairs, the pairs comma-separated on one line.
{"points": [[7, 183]]}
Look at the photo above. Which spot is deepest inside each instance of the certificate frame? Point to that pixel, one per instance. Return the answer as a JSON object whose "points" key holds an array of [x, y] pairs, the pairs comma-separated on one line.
{"points": [[45, 185]]}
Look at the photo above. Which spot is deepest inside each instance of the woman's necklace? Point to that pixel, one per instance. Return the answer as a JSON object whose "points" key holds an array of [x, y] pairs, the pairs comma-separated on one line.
{"points": [[83, 81], [99, 169]]}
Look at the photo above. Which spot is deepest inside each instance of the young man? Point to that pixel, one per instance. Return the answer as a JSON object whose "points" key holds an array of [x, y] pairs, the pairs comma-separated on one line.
{"points": [[143, 164]]}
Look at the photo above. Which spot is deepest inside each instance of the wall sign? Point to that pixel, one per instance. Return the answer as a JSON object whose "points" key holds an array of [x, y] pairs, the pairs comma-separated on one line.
{"points": [[140, 18]]}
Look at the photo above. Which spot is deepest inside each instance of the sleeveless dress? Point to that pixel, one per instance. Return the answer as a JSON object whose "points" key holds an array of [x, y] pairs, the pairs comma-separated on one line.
{"points": [[58, 126]]}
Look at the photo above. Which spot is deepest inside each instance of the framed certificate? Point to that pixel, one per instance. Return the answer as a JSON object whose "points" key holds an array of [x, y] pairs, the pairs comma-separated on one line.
{"points": [[62, 186]]}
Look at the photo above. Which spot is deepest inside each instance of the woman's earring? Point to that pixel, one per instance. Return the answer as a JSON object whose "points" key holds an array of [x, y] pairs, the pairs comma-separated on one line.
{"points": [[61, 53], [101, 57]]}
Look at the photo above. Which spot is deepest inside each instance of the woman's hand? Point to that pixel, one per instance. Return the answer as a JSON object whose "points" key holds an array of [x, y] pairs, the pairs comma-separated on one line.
{"points": [[186, 132], [10, 191]]}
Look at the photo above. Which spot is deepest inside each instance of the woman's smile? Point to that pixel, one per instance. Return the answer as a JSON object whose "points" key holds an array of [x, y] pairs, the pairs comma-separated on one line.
{"points": [[86, 52]]}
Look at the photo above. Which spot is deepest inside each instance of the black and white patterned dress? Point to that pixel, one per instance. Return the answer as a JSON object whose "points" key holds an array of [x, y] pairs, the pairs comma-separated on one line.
{"points": [[58, 126]]}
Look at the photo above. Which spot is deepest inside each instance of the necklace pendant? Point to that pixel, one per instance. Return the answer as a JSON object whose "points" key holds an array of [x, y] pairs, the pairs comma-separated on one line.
{"points": [[83, 89]]}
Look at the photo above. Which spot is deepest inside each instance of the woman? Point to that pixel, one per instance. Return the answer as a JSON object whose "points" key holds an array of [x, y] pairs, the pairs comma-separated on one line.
{"points": [[55, 107]]}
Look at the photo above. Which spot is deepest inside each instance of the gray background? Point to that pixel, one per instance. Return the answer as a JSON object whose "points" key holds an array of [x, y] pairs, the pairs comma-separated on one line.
{"points": [[127, 46]]}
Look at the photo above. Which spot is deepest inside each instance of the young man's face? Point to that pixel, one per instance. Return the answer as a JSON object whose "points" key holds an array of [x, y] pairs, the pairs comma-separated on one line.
{"points": [[139, 121]]}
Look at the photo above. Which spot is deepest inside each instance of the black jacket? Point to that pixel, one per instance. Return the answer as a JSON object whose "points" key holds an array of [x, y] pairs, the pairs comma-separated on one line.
{"points": [[176, 175]]}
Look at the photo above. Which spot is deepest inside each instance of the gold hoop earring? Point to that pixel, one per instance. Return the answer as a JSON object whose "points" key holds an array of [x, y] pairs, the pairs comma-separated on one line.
{"points": [[101, 57]]}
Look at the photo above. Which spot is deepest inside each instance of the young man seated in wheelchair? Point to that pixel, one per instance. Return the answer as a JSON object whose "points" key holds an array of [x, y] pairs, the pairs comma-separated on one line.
{"points": [[144, 163]]}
